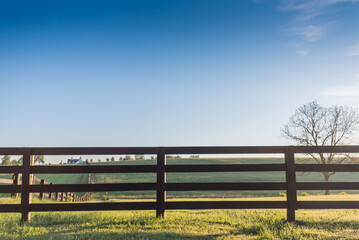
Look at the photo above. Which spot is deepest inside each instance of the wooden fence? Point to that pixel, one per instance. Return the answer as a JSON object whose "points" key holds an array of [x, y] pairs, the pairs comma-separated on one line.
{"points": [[57, 196], [160, 186]]}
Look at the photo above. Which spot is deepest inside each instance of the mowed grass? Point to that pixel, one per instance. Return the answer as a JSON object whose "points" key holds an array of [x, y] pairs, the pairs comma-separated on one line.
{"points": [[213, 177], [189, 224], [194, 177], [54, 178]]}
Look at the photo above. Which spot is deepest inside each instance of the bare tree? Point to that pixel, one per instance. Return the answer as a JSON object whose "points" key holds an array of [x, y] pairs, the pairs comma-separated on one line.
{"points": [[314, 125]]}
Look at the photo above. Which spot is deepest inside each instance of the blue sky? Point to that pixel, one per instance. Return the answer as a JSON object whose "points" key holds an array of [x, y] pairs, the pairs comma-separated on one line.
{"points": [[167, 73]]}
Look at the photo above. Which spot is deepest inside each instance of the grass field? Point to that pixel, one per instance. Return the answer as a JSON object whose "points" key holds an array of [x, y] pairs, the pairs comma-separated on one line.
{"points": [[54, 178], [194, 224], [213, 177], [195, 177]]}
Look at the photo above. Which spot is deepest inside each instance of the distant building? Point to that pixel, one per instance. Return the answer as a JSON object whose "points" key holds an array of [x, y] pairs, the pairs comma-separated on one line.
{"points": [[74, 161]]}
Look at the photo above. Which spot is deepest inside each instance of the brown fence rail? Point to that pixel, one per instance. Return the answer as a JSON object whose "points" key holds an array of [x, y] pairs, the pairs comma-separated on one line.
{"points": [[291, 186]]}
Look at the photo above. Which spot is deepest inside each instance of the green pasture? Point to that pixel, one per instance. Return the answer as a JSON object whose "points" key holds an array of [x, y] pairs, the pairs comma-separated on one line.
{"points": [[186, 224], [213, 177], [194, 177]]}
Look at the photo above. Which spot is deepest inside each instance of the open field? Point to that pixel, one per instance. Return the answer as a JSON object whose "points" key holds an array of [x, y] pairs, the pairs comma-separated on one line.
{"points": [[194, 177], [194, 224], [59, 179], [213, 177]]}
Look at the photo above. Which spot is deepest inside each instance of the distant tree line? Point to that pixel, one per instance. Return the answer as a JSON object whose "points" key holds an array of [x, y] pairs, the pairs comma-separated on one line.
{"points": [[6, 160], [134, 158]]}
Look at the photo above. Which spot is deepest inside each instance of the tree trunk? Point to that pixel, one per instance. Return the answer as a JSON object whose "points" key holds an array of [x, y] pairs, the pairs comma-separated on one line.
{"points": [[326, 179]]}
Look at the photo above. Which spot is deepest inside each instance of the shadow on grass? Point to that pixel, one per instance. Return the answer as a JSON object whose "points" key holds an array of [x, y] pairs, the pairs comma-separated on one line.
{"points": [[86, 226], [123, 231], [330, 224], [71, 235], [120, 230]]}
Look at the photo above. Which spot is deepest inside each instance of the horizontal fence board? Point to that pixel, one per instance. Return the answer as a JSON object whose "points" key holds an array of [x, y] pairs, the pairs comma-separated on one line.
{"points": [[178, 150], [225, 167], [224, 186], [10, 208], [92, 206], [13, 151], [261, 149], [141, 150], [10, 188], [328, 204], [99, 187], [93, 150], [10, 169], [95, 169], [225, 204], [327, 185], [225, 150], [327, 167], [325, 149]]}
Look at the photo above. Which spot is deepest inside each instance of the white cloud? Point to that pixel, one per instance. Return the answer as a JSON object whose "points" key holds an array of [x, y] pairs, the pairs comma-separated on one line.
{"points": [[302, 53], [311, 33], [353, 51], [308, 20], [342, 91]]}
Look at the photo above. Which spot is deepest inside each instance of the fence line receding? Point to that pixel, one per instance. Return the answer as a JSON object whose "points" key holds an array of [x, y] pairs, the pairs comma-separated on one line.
{"points": [[27, 186]]}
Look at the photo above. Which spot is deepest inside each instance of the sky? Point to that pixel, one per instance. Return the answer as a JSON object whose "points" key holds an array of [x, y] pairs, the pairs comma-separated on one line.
{"points": [[170, 73]]}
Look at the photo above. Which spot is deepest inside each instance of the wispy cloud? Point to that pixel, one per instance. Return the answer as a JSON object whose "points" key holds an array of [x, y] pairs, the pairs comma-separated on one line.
{"points": [[311, 33], [342, 91], [299, 49], [308, 19], [353, 51], [302, 53]]}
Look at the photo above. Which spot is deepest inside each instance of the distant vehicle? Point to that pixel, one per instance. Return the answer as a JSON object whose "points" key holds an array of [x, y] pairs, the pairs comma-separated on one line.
{"points": [[74, 161]]}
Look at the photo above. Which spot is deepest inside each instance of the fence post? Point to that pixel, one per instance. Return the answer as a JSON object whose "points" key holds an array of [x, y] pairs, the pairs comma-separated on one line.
{"points": [[56, 196], [161, 180], [28, 161], [291, 185], [42, 182], [50, 193], [15, 181], [62, 197]]}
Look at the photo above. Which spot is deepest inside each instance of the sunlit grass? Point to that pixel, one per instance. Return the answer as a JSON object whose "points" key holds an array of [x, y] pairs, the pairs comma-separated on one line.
{"points": [[188, 224]]}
